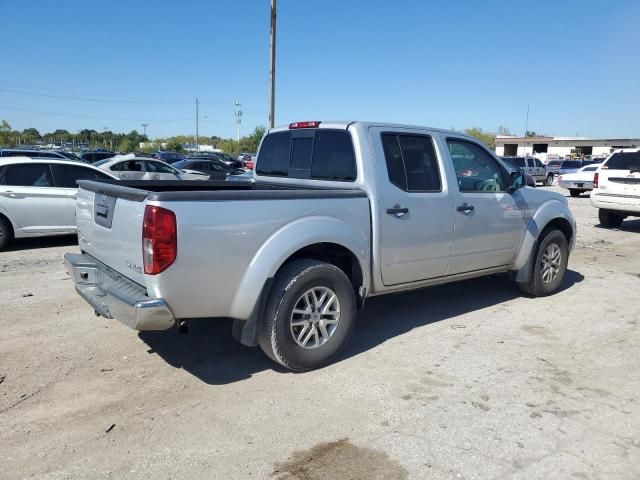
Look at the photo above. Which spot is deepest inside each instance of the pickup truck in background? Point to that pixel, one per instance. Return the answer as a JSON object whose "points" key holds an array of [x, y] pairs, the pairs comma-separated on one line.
{"points": [[338, 212]]}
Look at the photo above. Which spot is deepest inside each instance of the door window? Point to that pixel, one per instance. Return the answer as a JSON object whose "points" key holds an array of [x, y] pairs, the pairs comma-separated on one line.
{"points": [[25, 175], [539, 164], [158, 167], [476, 170], [411, 160], [68, 175]]}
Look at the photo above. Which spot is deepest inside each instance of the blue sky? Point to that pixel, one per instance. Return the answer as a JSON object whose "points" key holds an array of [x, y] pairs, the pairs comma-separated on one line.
{"points": [[460, 64]]}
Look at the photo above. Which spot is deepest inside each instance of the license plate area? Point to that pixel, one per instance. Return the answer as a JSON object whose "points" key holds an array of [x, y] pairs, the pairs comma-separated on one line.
{"points": [[103, 207]]}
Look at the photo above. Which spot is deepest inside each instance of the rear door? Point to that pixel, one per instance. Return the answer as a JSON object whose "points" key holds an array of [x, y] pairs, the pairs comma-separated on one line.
{"points": [[415, 211], [538, 170], [620, 175], [488, 222], [29, 194]]}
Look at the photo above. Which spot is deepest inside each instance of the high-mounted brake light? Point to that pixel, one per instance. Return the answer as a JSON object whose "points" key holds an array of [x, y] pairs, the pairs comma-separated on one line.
{"points": [[159, 239], [314, 124], [595, 179]]}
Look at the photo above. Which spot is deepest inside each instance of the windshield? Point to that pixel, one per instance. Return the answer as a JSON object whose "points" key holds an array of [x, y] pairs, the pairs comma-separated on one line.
{"points": [[100, 162], [571, 164], [624, 161], [554, 163], [590, 168]]}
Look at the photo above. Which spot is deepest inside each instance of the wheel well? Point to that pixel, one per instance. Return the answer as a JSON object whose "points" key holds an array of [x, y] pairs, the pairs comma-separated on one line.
{"points": [[336, 255], [560, 224], [11, 232]]}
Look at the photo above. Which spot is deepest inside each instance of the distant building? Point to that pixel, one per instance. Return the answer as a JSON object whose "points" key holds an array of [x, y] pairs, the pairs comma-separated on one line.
{"points": [[550, 148]]}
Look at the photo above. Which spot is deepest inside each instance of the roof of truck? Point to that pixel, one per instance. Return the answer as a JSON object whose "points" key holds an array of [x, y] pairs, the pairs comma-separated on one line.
{"points": [[344, 124]]}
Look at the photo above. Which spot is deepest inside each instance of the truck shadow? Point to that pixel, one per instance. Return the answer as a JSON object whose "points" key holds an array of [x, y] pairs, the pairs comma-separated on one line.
{"points": [[210, 353]]}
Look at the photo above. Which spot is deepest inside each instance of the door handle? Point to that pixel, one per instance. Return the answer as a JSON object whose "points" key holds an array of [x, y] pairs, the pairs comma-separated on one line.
{"points": [[10, 193], [397, 210], [465, 208], [156, 177]]}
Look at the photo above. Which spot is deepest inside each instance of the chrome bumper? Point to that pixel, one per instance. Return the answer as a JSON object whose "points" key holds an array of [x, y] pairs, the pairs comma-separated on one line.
{"points": [[115, 296]]}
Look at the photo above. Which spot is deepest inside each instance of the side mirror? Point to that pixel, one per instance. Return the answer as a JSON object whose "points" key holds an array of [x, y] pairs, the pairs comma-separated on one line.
{"points": [[516, 180]]}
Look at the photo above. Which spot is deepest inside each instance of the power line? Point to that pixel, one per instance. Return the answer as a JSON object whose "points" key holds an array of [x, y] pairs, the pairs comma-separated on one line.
{"points": [[96, 117], [88, 99]]}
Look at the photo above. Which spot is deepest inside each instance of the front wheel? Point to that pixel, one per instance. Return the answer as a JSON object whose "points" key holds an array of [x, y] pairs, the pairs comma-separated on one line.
{"points": [[550, 265], [609, 219], [549, 180], [5, 233], [310, 315]]}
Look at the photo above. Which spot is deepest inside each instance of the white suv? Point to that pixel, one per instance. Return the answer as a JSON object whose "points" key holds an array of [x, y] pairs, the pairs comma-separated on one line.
{"points": [[616, 187]]}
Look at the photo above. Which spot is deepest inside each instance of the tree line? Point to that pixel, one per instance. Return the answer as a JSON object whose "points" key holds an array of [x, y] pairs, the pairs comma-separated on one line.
{"points": [[123, 142]]}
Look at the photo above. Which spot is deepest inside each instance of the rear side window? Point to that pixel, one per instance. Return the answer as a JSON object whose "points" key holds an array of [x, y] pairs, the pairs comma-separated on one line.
{"points": [[274, 155], [411, 162], [520, 161], [68, 175], [36, 175], [318, 154], [624, 161]]}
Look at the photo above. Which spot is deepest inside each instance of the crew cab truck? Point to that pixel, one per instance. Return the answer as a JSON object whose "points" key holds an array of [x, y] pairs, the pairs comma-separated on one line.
{"points": [[338, 212]]}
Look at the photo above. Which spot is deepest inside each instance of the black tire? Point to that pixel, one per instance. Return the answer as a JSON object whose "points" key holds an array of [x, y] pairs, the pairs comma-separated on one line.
{"points": [[536, 286], [549, 180], [575, 193], [277, 338], [5, 233], [610, 219]]}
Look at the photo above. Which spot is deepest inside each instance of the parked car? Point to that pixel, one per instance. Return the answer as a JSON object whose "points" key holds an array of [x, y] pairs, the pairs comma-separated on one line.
{"points": [[249, 162], [96, 156], [517, 166], [169, 157], [38, 196], [533, 167], [214, 168], [579, 182], [223, 157], [339, 212], [616, 187], [562, 167], [32, 153], [129, 167]]}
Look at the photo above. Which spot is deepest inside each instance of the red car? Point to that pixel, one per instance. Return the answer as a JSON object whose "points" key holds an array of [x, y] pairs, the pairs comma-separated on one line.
{"points": [[249, 161]]}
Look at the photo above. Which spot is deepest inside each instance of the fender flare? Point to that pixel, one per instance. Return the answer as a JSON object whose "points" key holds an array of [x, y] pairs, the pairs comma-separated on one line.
{"points": [[285, 242], [548, 212]]}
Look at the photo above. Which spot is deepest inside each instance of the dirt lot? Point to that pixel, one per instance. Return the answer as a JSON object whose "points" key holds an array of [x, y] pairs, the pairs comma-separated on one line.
{"points": [[463, 381]]}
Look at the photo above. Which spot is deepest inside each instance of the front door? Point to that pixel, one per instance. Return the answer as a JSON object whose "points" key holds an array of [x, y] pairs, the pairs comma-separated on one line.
{"points": [[415, 210], [488, 223], [36, 205], [160, 171]]}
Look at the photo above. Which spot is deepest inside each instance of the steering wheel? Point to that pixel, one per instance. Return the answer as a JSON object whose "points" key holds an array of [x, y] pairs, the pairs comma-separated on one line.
{"points": [[487, 185]]}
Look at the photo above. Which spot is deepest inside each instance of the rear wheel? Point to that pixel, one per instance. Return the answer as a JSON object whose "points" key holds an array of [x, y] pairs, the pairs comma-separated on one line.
{"points": [[5, 233], [610, 219], [550, 265], [309, 316], [549, 180], [575, 193]]}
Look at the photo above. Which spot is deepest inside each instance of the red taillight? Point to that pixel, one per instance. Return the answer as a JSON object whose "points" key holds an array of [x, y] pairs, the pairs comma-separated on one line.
{"points": [[295, 125], [595, 179], [159, 239]]}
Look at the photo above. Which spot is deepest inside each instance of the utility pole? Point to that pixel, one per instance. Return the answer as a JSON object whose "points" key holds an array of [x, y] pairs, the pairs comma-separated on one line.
{"points": [[238, 114], [272, 65], [526, 130], [197, 120], [144, 128]]}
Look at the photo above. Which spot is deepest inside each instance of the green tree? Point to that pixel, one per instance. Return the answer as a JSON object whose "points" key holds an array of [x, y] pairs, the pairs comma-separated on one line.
{"points": [[174, 146], [487, 138], [531, 133], [504, 131], [5, 127]]}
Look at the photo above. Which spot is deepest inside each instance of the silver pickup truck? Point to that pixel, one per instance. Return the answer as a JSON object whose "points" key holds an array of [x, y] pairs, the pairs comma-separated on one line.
{"points": [[338, 212]]}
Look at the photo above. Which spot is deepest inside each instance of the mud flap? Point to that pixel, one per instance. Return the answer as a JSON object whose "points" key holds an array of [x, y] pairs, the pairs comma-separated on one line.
{"points": [[248, 331]]}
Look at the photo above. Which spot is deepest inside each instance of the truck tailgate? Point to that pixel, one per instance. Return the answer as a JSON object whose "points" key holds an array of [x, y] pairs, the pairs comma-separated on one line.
{"points": [[110, 228]]}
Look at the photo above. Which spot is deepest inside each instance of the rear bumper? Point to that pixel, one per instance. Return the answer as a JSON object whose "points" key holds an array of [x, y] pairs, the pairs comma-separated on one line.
{"points": [[115, 296], [576, 185], [629, 204]]}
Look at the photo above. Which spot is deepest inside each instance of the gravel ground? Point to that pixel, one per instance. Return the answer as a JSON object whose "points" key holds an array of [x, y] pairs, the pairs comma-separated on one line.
{"points": [[469, 380]]}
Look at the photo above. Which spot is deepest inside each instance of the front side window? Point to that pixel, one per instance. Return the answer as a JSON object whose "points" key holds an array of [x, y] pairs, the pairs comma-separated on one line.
{"points": [[538, 163], [35, 175], [157, 167], [411, 161], [476, 170]]}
